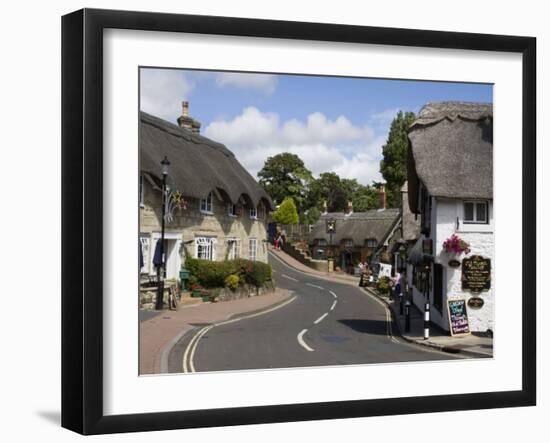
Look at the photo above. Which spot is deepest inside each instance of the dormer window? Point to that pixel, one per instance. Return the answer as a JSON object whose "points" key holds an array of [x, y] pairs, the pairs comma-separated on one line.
{"points": [[371, 243], [232, 210], [207, 206], [348, 243], [476, 212], [253, 213]]}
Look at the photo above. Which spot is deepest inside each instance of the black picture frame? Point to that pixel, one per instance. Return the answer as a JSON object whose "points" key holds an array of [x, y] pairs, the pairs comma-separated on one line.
{"points": [[82, 155]]}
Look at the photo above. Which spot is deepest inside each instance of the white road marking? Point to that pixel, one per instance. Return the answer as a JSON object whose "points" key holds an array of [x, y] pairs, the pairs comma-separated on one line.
{"points": [[289, 277], [320, 319], [192, 346], [333, 305], [315, 286], [302, 342], [333, 294]]}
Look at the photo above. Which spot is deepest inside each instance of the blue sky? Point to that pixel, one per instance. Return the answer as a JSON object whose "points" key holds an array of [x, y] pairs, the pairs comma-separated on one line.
{"points": [[333, 123]]}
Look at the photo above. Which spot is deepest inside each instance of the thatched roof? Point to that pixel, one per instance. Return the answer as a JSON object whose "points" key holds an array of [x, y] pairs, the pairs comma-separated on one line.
{"points": [[411, 223], [358, 226], [198, 164], [451, 151]]}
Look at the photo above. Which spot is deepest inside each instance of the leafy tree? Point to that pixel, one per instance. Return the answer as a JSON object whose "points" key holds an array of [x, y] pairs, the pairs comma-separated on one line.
{"points": [[310, 216], [285, 175], [329, 187], [286, 213], [393, 165], [365, 198]]}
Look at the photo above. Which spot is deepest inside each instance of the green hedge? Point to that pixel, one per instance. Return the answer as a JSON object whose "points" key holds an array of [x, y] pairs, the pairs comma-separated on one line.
{"points": [[213, 274]]}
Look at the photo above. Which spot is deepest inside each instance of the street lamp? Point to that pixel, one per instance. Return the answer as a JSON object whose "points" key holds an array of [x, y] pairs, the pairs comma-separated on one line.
{"points": [[161, 270], [331, 229]]}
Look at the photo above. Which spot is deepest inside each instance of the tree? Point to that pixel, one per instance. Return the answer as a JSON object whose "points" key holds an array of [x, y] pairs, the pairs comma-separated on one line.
{"points": [[365, 198], [328, 187], [393, 165], [285, 175], [286, 213], [310, 216]]}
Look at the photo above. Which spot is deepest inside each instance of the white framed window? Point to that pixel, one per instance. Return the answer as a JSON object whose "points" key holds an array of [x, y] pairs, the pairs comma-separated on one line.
{"points": [[205, 248], [371, 243], [252, 249], [231, 209], [141, 191], [233, 248], [145, 243], [476, 212], [253, 213], [261, 212], [207, 206], [348, 243]]}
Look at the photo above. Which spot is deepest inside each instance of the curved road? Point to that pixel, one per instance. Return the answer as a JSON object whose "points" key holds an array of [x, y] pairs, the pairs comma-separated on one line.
{"points": [[325, 323]]}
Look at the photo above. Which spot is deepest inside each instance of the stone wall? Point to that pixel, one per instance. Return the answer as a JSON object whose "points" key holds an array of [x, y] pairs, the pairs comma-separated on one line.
{"points": [[190, 222]]}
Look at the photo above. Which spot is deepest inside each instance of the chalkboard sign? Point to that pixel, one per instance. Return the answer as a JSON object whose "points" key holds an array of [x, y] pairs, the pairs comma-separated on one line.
{"points": [[458, 317], [476, 274]]}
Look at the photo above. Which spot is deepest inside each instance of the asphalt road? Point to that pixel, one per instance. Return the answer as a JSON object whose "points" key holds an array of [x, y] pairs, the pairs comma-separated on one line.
{"points": [[326, 323]]}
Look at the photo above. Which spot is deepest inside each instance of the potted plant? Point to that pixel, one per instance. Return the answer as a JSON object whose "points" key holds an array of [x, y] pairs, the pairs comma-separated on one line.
{"points": [[455, 245], [196, 290]]}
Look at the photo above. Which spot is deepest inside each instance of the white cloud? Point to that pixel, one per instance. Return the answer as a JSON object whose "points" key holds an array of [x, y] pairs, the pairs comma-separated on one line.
{"points": [[163, 90], [265, 83], [323, 144]]}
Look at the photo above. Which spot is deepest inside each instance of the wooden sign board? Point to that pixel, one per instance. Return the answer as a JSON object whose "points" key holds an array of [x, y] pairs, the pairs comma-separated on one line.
{"points": [[458, 317], [476, 274]]}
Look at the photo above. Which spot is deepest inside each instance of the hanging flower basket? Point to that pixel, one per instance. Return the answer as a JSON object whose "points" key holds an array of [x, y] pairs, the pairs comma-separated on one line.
{"points": [[455, 245]]}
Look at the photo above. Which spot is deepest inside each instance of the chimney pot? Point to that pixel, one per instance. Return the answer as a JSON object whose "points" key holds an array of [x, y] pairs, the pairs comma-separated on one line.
{"points": [[382, 195], [185, 108]]}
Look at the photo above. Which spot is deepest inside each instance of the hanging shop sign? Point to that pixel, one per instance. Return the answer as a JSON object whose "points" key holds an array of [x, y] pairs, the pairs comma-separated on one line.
{"points": [[458, 317], [476, 274], [475, 302], [454, 263]]}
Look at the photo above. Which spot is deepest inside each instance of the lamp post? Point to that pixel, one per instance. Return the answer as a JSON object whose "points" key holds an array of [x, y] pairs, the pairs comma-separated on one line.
{"points": [[161, 270], [331, 229]]}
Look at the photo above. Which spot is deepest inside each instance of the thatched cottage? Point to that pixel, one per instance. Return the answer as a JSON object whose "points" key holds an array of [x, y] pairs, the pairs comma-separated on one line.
{"points": [[450, 186], [359, 236], [216, 209]]}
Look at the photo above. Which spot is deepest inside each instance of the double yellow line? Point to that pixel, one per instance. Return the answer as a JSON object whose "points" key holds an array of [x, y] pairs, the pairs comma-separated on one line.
{"points": [[189, 354]]}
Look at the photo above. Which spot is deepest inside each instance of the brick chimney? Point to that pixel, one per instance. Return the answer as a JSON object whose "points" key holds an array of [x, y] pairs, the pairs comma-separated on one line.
{"points": [[349, 209], [186, 122], [382, 195]]}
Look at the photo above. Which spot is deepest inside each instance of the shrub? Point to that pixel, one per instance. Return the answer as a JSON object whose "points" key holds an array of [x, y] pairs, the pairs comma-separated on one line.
{"points": [[232, 282], [383, 284], [212, 274], [259, 274]]}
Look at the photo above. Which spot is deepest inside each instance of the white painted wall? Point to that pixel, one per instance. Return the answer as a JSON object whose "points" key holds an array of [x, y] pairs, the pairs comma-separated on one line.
{"points": [[481, 240]]}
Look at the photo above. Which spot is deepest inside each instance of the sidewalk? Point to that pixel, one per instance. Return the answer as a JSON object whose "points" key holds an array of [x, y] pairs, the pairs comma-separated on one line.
{"points": [[159, 333], [341, 277], [470, 345]]}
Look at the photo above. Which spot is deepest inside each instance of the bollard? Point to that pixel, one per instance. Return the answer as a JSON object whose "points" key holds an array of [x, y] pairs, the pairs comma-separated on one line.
{"points": [[407, 316], [400, 304], [427, 321]]}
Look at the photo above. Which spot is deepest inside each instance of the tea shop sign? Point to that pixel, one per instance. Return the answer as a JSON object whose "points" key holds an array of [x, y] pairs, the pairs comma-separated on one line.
{"points": [[476, 274]]}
